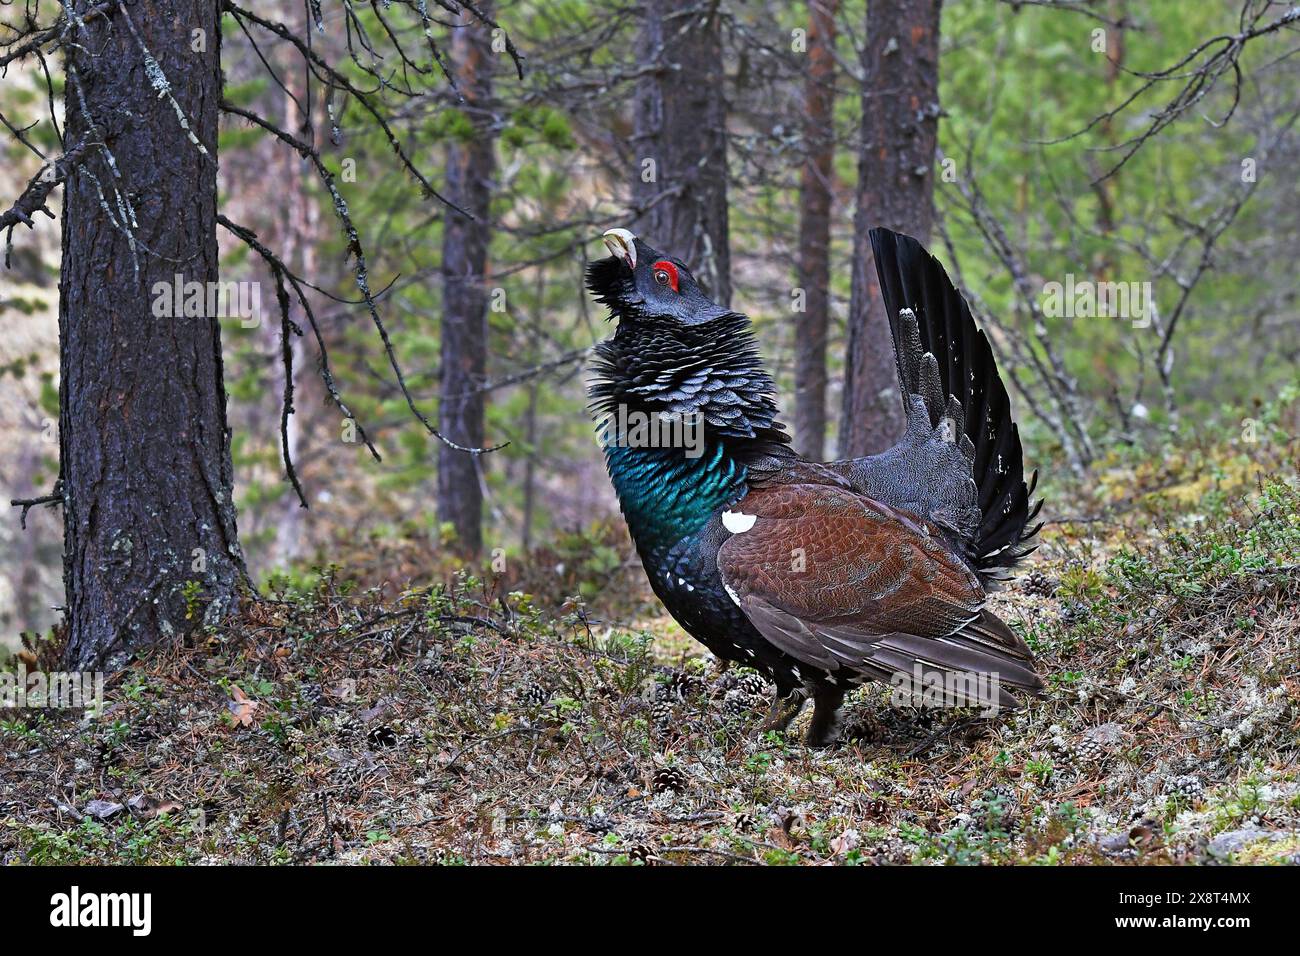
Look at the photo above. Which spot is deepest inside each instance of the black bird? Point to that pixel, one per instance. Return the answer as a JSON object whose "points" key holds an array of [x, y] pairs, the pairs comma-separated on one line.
{"points": [[819, 575]]}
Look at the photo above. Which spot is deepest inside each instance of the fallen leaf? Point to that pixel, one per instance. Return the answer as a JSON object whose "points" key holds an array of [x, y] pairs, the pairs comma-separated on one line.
{"points": [[378, 710], [782, 839], [145, 807], [241, 706], [346, 689], [845, 842]]}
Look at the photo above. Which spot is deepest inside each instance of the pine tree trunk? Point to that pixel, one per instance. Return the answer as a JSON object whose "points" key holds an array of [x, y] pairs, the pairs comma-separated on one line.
{"points": [[900, 119], [150, 546], [470, 169], [815, 190], [680, 142]]}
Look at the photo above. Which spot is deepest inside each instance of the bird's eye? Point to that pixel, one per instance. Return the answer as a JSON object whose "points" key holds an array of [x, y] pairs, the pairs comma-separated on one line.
{"points": [[666, 274]]}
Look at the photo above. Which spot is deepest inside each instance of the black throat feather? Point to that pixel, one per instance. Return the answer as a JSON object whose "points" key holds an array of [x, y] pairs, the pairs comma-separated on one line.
{"points": [[711, 371]]}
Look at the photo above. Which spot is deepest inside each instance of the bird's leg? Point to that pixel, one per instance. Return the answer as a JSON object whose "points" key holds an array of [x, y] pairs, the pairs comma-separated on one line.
{"points": [[825, 723], [783, 710]]}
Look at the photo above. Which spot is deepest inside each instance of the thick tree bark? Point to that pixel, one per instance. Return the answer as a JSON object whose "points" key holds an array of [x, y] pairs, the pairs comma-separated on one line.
{"points": [[680, 141], [900, 119], [815, 192], [471, 166], [145, 450]]}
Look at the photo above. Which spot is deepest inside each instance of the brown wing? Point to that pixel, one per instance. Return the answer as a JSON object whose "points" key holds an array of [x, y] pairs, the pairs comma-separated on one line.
{"points": [[848, 585]]}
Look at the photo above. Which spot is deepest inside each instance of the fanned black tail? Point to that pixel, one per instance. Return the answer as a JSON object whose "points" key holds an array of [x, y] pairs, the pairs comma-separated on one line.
{"points": [[912, 279]]}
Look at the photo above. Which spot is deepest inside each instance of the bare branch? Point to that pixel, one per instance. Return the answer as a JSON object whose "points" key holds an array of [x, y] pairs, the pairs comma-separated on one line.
{"points": [[287, 327], [360, 267], [1219, 56], [57, 33], [249, 238], [27, 504], [335, 79], [1209, 235], [38, 190], [1068, 6]]}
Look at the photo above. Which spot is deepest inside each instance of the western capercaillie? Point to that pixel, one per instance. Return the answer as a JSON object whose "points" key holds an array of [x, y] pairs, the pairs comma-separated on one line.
{"points": [[820, 575]]}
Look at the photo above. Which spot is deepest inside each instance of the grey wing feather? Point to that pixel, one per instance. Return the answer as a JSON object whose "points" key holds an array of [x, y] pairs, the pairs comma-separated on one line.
{"points": [[977, 649]]}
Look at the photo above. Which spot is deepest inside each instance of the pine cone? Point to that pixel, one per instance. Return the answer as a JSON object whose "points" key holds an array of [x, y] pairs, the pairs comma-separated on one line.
{"points": [[1096, 743], [534, 695], [1036, 582], [670, 778], [344, 725], [661, 714], [739, 702], [642, 854], [876, 807], [1188, 788], [685, 685], [1087, 750], [1072, 612], [753, 683], [723, 682]]}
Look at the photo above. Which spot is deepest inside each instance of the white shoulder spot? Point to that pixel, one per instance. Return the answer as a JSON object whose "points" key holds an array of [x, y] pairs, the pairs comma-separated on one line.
{"points": [[735, 598], [737, 522]]}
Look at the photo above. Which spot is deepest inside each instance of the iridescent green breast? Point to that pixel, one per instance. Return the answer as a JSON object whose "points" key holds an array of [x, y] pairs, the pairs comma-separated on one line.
{"points": [[666, 495]]}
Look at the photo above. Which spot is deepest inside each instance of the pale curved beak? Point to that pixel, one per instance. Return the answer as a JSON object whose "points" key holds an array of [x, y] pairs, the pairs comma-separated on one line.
{"points": [[621, 243]]}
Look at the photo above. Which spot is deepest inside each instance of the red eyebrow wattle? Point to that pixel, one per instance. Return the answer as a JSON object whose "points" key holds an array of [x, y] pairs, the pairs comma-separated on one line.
{"points": [[669, 268]]}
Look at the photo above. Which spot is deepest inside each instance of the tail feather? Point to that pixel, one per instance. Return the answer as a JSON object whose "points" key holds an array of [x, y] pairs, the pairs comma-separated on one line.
{"points": [[943, 338], [997, 666]]}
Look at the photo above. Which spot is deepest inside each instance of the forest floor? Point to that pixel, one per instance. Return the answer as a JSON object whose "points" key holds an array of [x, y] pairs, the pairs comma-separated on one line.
{"points": [[338, 723]]}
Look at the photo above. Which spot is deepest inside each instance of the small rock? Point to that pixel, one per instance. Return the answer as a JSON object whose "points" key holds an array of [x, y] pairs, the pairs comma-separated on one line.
{"points": [[102, 809], [1114, 843], [1223, 846]]}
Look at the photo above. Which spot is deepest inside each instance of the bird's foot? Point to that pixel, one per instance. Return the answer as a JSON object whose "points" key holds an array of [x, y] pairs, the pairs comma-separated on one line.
{"points": [[823, 729], [783, 710]]}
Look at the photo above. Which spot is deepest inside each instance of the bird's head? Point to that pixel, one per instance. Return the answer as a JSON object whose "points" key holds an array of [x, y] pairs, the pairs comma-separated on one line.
{"points": [[677, 352], [640, 283]]}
